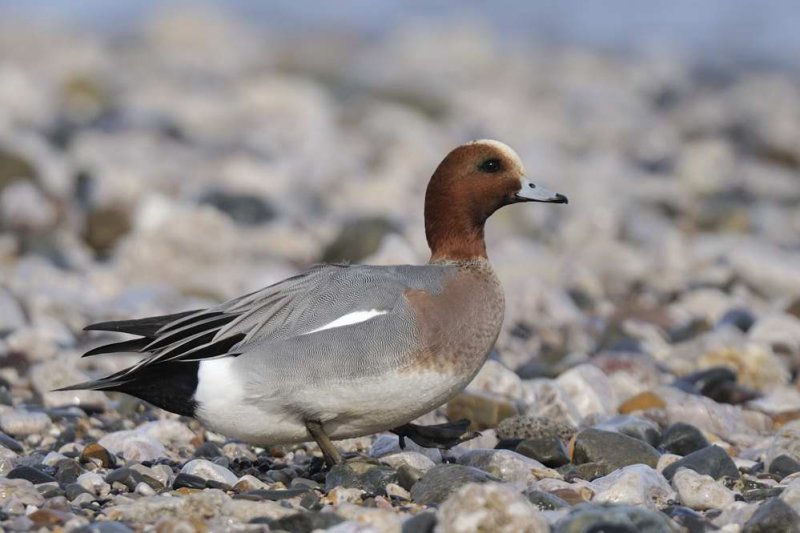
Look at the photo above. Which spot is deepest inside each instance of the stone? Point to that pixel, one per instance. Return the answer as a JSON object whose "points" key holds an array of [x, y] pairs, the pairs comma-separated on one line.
{"points": [[586, 518], [740, 318], [390, 444], [507, 465], [489, 507], [544, 398], [97, 452], [247, 483], [244, 209], [209, 471], [208, 450], [204, 504], [638, 428], [443, 480], [10, 443], [483, 410], [549, 450], [496, 378], [545, 501], [711, 460], [531, 427], [94, 484], [783, 465], [306, 521], [771, 516], [615, 449], [413, 459], [424, 522], [73, 490], [19, 490], [785, 442], [126, 477], [188, 481], [31, 474], [683, 439], [589, 389], [636, 484], [701, 492], [369, 477], [133, 446], [67, 471], [23, 423]]}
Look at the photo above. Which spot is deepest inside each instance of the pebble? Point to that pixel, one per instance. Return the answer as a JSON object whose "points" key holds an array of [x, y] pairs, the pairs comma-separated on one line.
{"points": [[636, 484], [94, 484], [550, 451], [528, 427], [701, 492], [683, 439], [589, 389], [615, 449], [507, 465], [783, 466], [489, 507], [390, 444], [31, 474], [94, 451], [711, 460], [483, 410], [133, 446], [771, 516], [633, 426], [643, 401], [369, 477], [443, 480], [412, 459], [209, 471], [618, 518], [22, 423]]}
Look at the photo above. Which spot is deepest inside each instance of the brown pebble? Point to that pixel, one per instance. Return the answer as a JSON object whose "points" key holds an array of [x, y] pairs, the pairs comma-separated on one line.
{"points": [[95, 451], [48, 517], [642, 402], [483, 410]]}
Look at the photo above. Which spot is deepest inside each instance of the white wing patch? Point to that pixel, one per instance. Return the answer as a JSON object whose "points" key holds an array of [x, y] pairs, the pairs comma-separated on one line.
{"points": [[350, 318]]}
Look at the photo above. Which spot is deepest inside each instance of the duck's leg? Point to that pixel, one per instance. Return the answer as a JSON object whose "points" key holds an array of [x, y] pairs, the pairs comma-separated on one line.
{"points": [[329, 451], [436, 436]]}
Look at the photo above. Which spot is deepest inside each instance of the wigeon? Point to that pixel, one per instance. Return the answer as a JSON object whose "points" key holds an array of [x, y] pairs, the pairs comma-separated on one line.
{"points": [[341, 351]]}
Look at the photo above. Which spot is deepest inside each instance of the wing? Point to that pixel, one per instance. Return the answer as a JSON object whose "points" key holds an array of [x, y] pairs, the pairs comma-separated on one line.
{"points": [[308, 303]]}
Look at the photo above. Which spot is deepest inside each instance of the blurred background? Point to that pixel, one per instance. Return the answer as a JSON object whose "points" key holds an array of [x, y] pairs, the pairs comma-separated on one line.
{"points": [[159, 156]]}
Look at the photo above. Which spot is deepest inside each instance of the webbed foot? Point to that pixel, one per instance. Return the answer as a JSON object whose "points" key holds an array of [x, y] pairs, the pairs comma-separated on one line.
{"points": [[441, 436]]}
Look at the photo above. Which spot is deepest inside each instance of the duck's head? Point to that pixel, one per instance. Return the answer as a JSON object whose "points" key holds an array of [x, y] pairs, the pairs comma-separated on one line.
{"points": [[472, 182]]}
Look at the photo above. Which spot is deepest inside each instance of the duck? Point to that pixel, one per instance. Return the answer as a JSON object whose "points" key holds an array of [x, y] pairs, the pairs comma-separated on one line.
{"points": [[341, 350]]}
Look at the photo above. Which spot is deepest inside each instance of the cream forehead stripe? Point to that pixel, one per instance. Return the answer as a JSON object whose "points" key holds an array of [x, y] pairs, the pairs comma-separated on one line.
{"points": [[503, 148]]}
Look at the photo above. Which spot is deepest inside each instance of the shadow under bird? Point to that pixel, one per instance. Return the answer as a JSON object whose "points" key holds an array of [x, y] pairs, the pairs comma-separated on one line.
{"points": [[342, 351]]}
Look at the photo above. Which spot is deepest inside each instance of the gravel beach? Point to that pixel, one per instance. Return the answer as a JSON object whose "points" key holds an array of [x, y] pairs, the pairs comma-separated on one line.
{"points": [[646, 378]]}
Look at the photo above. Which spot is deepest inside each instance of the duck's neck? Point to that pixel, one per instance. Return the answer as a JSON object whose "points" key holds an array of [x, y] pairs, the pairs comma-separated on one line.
{"points": [[454, 235]]}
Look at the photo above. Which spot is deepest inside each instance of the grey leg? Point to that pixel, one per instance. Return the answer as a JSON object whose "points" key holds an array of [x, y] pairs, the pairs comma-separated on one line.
{"points": [[329, 451]]}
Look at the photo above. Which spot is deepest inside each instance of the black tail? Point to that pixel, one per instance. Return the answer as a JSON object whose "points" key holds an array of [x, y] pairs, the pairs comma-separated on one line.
{"points": [[168, 384]]}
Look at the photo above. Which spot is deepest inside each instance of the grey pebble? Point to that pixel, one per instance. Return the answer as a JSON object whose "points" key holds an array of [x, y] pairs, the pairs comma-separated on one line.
{"points": [[369, 477], [772, 516], [711, 460], [443, 480], [615, 449], [682, 439]]}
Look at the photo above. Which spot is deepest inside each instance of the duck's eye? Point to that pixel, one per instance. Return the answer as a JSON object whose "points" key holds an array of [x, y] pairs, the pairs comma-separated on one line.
{"points": [[490, 165]]}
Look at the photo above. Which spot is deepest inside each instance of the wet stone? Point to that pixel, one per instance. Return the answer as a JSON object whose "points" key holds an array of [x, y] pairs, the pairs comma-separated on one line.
{"points": [[126, 476], [758, 495], [271, 495], [420, 523], [208, 450], [549, 450], [369, 477], [772, 516], [586, 518], [67, 471], [97, 452], [615, 449], [10, 443], [711, 461], [49, 490], [441, 481], [407, 476], [689, 519], [683, 439], [783, 465], [73, 490], [585, 471], [188, 481], [304, 522], [31, 474], [741, 319]]}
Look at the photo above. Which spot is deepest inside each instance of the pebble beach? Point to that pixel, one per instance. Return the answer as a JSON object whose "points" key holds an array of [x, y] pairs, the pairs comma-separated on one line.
{"points": [[646, 378]]}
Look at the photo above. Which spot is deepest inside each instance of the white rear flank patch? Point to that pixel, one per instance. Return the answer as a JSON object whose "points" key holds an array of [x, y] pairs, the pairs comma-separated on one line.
{"points": [[217, 386], [350, 318]]}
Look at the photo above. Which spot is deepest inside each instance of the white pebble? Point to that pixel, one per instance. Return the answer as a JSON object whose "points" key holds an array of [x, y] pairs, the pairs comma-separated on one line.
{"points": [[701, 492]]}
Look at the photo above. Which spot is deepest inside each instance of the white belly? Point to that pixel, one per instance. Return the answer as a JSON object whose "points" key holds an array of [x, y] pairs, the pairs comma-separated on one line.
{"points": [[348, 409]]}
